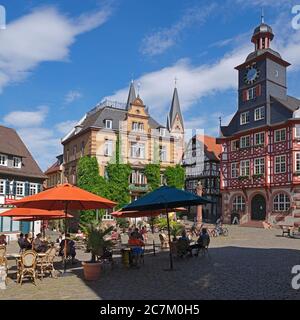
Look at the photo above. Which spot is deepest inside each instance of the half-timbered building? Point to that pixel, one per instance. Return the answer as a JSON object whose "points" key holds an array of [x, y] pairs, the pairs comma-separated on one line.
{"points": [[260, 161]]}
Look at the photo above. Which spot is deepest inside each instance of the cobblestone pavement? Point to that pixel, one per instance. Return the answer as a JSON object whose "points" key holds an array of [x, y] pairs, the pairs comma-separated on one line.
{"points": [[248, 264]]}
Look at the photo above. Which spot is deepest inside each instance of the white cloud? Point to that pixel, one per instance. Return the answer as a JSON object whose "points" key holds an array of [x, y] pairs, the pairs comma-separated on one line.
{"points": [[43, 35], [42, 143], [66, 126], [199, 81], [23, 119], [72, 96], [160, 41]]}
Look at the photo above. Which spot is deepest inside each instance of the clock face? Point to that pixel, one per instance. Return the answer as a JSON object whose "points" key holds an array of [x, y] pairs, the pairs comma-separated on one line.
{"points": [[251, 75]]}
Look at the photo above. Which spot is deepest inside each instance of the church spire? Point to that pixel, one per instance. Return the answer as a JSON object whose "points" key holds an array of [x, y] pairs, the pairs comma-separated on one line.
{"points": [[131, 95], [175, 112]]}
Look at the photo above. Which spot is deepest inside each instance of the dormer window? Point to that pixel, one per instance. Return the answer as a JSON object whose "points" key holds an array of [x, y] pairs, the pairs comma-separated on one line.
{"points": [[3, 160], [244, 118], [108, 124], [17, 162]]}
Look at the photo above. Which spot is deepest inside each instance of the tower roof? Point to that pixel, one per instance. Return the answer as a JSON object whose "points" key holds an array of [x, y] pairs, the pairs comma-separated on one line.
{"points": [[174, 111], [131, 95]]}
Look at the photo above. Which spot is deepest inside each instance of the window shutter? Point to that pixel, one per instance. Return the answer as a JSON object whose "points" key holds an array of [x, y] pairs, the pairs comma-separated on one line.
{"points": [[7, 187], [258, 90], [245, 95], [14, 188], [39, 188], [26, 188]]}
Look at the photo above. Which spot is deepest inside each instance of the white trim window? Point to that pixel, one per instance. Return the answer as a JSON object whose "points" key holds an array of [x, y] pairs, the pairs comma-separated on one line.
{"points": [[297, 131], [297, 161], [279, 135], [281, 202], [245, 168], [33, 189], [238, 204], [162, 132], [137, 126], [163, 153], [137, 150], [259, 166], [234, 170], [20, 189], [3, 160], [108, 147], [17, 162], [259, 138], [244, 117], [2, 186], [259, 113], [245, 142], [235, 145], [280, 164], [108, 124], [251, 93]]}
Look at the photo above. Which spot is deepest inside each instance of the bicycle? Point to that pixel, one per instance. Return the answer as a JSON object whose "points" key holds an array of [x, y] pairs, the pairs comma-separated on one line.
{"points": [[219, 231]]}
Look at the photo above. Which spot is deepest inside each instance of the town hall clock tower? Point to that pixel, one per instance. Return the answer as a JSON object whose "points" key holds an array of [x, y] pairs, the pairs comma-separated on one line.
{"points": [[260, 160]]}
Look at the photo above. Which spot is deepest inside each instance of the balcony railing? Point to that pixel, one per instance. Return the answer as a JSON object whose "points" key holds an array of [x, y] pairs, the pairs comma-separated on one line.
{"points": [[138, 187]]}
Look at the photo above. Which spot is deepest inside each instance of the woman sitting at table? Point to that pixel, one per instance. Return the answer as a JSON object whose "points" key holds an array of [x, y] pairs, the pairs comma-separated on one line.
{"points": [[27, 243], [137, 247], [3, 240], [71, 251], [38, 244]]}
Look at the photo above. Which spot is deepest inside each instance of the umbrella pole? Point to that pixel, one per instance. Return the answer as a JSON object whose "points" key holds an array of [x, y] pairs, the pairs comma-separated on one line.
{"points": [[65, 247], [169, 235], [152, 228]]}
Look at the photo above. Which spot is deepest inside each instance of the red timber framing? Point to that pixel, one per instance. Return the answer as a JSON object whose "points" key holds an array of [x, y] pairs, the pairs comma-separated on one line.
{"points": [[270, 181]]}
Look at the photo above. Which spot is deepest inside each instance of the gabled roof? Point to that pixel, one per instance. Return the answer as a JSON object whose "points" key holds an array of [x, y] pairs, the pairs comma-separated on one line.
{"points": [[291, 103], [56, 165], [11, 144], [211, 149]]}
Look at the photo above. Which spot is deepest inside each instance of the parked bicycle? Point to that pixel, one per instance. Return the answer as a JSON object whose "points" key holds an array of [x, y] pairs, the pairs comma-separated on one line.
{"points": [[219, 231]]}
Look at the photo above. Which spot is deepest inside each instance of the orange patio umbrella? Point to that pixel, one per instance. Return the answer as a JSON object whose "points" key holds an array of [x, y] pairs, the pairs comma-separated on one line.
{"points": [[64, 197]]}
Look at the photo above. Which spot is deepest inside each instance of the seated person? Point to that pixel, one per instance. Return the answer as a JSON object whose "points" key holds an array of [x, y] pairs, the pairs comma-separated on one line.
{"points": [[70, 247], [80, 235], [38, 244], [3, 240], [27, 243], [183, 244], [137, 247], [114, 235], [202, 242]]}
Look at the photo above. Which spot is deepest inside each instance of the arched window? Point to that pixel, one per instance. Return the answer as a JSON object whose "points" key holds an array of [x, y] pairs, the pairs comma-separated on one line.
{"points": [[238, 204], [281, 202]]}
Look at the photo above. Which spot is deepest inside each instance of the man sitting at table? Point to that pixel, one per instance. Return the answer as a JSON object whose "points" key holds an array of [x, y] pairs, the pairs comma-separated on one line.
{"points": [[26, 242], [137, 247], [38, 244], [70, 247]]}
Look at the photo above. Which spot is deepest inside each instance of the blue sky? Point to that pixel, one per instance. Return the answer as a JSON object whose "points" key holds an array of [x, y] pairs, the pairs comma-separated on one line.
{"points": [[58, 59]]}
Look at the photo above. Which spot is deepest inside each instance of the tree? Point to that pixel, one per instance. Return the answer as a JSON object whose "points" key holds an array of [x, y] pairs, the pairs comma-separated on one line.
{"points": [[118, 179], [88, 178], [175, 176], [152, 172]]}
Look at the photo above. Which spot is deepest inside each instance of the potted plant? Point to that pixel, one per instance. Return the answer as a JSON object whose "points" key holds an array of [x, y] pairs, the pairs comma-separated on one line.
{"points": [[96, 243]]}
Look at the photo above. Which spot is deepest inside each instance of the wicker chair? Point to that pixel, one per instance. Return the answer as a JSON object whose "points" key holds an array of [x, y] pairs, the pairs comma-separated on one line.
{"points": [[27, 266], [3, 259], [45, 264]]}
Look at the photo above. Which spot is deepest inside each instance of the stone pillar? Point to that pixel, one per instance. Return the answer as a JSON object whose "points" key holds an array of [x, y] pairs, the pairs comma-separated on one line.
{"points": [[199, 191]]}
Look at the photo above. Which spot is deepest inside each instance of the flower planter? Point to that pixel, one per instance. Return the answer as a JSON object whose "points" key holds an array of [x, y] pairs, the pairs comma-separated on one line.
{"points": [[91, 270]]}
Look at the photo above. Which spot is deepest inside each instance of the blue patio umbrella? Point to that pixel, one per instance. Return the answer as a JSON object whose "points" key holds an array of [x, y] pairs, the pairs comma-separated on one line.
{"points": [[166, 198]]}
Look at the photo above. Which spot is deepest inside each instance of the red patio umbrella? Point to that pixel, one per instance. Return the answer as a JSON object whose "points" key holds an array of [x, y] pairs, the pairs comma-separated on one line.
{"points": [[65, 197]]}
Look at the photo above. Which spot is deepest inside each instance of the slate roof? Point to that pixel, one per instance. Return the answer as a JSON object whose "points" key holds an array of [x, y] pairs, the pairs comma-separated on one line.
{"points": [[175, 109], [12, 145]]}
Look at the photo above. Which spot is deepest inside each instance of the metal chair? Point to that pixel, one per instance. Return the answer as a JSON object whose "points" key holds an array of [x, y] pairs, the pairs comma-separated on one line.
{"points": [[27, 266]]}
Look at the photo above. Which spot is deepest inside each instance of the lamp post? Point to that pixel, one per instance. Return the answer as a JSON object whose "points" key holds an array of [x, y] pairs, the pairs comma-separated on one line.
{"points": [[199, 191]]}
